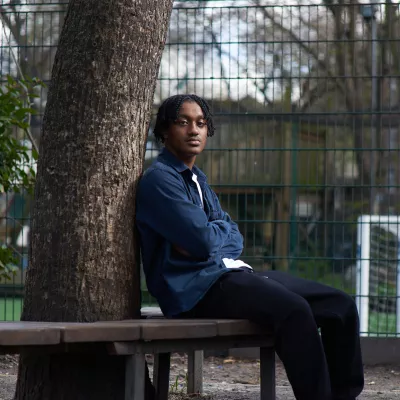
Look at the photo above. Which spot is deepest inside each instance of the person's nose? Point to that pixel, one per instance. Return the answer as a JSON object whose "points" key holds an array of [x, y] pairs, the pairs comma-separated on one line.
{"points": [[193, 129]]}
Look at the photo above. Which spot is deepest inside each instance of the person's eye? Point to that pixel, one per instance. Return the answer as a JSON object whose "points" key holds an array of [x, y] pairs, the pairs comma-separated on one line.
{"points": [[201, 124], [182, 122]]}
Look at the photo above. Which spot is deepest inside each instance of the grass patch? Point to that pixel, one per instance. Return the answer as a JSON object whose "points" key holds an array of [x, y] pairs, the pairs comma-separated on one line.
{"points": [[10, 308], [382, 324]]}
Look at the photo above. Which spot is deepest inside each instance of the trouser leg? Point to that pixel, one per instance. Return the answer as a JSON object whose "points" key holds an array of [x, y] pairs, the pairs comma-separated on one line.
{"points": [[267, 302], [336, 314]]}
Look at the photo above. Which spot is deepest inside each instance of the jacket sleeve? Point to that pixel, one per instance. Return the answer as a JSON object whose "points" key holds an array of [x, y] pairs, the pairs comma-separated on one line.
{"points": [[233, 247], [163, 204]]}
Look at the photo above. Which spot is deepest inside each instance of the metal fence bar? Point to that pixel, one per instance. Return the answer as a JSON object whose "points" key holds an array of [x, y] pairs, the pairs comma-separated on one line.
{"points": [[306, 102]]}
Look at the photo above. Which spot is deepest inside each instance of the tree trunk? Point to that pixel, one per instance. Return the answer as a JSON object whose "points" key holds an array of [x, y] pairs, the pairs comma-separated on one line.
{"points": [[83, 260]]}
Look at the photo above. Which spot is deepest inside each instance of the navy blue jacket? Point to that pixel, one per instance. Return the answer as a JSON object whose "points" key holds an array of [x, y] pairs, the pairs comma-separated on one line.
{"points": [[169, 215]]}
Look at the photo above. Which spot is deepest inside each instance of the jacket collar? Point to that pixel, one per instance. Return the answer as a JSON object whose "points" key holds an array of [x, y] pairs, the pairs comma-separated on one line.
{"points": [[166, 157]]}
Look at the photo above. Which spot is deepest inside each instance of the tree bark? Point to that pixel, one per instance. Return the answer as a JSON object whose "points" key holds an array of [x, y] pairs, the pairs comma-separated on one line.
{"points": [[83, 259]]}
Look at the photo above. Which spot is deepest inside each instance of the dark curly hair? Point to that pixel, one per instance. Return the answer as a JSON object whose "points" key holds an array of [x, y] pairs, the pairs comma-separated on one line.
{"points": [[169, 109]]}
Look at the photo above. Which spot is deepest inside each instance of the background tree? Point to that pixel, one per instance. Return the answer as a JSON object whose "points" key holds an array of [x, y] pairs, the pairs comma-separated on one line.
{"points": [[30, 32], [91, 154], [33, 31], [331, 52], [323, 52], [324, 56], [17, 173], [30, 25]]}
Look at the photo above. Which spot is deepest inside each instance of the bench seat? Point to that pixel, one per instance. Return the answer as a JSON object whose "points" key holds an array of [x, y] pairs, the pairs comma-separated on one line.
{"points": [[133, 339]]}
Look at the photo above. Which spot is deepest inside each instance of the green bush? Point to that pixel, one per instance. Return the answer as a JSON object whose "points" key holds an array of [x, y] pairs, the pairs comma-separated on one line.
{"points": [[7, 263], [16, 158]]}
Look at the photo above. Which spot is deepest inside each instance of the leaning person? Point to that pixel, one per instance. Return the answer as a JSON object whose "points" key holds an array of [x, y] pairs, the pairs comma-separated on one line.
{"points": [[191, 248]]}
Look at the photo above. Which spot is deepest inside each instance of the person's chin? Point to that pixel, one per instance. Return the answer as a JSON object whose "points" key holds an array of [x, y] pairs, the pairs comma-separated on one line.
{"points": [[194, 150]]}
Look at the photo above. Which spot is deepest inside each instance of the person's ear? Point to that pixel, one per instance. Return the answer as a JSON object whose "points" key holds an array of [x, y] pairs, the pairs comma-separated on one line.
{"points": [[165, 136]]}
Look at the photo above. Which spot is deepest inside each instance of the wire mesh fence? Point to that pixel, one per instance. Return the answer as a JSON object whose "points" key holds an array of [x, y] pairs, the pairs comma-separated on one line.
{"points": [[306, 104]]}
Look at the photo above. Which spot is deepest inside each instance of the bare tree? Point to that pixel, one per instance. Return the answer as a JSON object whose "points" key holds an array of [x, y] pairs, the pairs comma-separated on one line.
{"points": [[332, 45], [92, 149], [323, 52], [34, 31]]}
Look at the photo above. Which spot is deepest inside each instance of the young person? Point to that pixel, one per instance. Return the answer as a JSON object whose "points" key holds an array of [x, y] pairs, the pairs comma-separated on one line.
{"points": [[191, 248]]}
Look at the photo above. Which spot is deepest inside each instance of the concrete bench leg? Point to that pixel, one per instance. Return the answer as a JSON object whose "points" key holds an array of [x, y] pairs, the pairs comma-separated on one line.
{"points": [[134, 377], [195, 372], [267, 373], [162, 363]]}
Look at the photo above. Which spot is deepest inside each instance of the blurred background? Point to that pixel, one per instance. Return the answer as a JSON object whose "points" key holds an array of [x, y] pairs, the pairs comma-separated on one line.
{"points": [[306, 101]]}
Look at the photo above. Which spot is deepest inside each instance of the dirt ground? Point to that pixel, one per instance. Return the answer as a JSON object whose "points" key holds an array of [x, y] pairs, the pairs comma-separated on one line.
{"points": [[233, 379]]}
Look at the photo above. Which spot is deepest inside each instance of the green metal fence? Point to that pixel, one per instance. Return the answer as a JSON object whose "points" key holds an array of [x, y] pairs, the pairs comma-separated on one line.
{"points": [[306, 154]]}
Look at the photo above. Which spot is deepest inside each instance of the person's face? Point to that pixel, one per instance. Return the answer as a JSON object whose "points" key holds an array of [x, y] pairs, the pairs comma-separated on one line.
{"points": [[187, 136]]}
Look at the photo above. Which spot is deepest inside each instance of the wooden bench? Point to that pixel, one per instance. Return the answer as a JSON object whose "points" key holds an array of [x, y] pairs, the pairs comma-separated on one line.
{"points": [[133, 339]]}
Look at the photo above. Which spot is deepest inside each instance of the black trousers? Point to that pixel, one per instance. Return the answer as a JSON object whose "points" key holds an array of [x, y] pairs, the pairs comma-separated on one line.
{"points": [[324, 366]]}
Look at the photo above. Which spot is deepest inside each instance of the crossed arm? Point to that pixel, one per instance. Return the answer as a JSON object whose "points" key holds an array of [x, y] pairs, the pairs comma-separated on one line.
{"points": [[232, 248], [170, 213]]}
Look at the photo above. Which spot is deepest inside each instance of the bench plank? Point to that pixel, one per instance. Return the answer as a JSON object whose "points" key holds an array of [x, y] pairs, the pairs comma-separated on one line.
{"points": [[135, 338], [177, 329], [101, 331], [29, 334], [234, 327], [151, 312]]}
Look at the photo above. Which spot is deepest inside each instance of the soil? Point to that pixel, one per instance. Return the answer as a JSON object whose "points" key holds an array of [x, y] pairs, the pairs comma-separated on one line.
{"points": [[233, 379]]}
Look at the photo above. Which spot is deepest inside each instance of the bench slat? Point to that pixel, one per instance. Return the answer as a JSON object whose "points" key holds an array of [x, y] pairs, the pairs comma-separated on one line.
{"points": [[172, 329], [101, 332], [151, 312], [28, 334], [47, 333], [235, 327], [134, 338]]}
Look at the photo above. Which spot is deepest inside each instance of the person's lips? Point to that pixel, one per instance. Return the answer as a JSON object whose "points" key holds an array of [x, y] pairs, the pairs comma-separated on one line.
{"points": [[194, 141]]}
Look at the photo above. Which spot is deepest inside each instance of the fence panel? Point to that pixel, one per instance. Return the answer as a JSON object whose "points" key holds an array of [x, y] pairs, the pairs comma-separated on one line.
{"points": [[306, 103]]}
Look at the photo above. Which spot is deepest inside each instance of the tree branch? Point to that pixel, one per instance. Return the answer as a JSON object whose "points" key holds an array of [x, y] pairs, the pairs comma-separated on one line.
{"points": [[30, 136], [220, 53], [316, 93], [294, 38], [14, 27], [263, 90]]}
